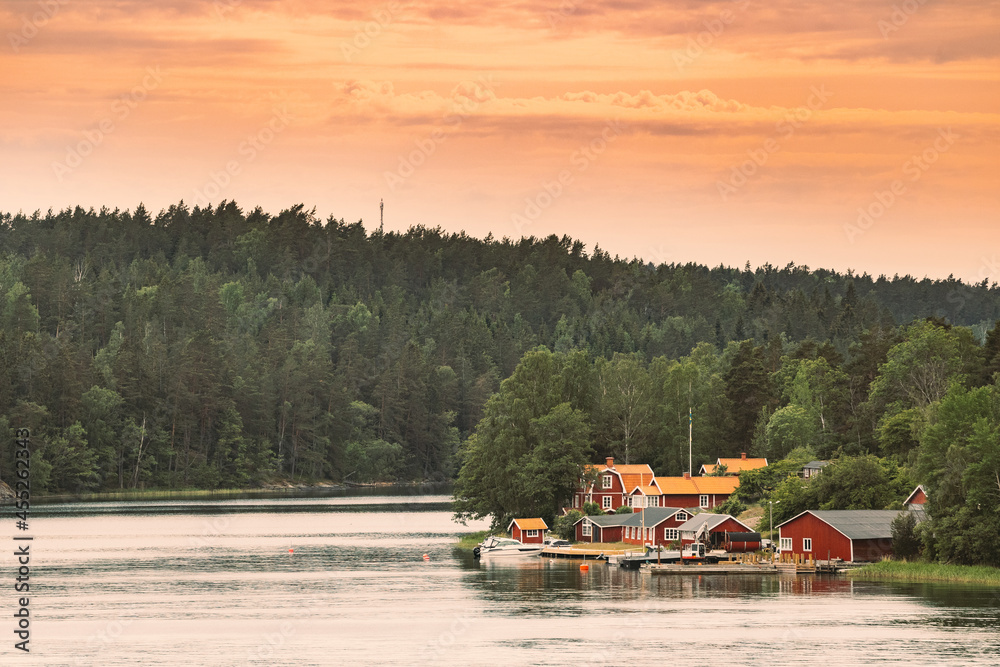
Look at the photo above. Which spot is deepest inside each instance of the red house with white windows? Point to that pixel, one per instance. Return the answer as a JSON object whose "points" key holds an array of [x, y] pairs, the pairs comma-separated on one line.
{"points": [[612, 485], [528, 531], [850, 535], [654, 525]]}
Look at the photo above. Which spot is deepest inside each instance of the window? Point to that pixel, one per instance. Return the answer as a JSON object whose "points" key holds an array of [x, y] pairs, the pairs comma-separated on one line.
{"points": [[681, 516], [702, 501], [606, 502], [653, 501], [786, 544], [670, 534], [807, 544], [607, 482], [576, 501], [531, 533], [630, 533], [634, 501], [586, 529]]}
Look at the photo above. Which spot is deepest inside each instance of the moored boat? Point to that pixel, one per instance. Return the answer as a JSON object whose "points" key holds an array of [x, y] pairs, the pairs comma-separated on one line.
{"points": [[504, 547]]}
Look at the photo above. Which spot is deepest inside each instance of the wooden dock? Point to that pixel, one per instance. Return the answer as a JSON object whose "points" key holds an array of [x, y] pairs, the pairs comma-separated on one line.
{"points": [[574, 553], [716, 568]]}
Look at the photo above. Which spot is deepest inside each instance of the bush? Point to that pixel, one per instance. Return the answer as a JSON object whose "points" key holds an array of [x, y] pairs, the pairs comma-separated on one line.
{"points": [[591, 509], [563, 525], [905, 543], [624, 509]]}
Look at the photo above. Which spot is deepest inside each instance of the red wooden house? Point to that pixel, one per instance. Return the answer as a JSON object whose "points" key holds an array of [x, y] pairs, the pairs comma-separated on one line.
{"points": [[612, 485], [703, 492], [654, 525], [528, 531], [917, 498], [850, 535], [734, 466], [601, 528]]}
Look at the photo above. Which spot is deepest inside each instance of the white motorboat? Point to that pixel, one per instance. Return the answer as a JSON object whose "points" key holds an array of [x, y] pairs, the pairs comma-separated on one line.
{"points": [[505, 547]]}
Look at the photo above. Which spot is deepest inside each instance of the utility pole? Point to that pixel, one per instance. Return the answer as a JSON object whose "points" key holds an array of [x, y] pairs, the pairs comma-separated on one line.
{"points": [[690, 430]]}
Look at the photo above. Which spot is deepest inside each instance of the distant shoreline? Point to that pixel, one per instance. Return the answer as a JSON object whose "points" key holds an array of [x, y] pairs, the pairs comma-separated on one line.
{"points": [[268, 490]]}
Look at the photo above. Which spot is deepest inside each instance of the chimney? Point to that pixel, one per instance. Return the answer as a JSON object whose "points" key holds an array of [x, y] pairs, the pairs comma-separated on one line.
{"points": [[610, 461], [687, 475], [743, 455]]}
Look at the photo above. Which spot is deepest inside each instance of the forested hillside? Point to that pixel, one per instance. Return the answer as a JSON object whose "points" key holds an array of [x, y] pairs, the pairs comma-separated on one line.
{"points": [[216, 347]]}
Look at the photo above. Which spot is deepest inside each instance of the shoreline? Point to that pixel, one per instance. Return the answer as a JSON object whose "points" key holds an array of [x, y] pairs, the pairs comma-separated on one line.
{"points": [[276, 489], [919, 572]]}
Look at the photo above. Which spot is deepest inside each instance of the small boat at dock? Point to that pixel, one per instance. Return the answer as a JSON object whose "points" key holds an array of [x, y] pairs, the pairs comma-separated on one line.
{"points": [[505, 547]]}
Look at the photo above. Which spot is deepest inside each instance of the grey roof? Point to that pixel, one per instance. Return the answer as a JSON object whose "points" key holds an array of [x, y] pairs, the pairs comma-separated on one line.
{"points": [[607, 520], [696, 522], [816, 465], [653, 516], [860, 524]]}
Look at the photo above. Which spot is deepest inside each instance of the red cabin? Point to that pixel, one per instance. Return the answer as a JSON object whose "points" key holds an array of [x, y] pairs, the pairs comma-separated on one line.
{"points": [[850, 535], [528, 531]]}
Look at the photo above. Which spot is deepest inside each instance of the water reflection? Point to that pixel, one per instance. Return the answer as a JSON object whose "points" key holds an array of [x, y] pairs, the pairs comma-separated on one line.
{"points": [[192, 584]]}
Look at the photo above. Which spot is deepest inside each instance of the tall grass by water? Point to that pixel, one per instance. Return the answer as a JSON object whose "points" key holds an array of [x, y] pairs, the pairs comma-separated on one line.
{"points": [[890, 570]]}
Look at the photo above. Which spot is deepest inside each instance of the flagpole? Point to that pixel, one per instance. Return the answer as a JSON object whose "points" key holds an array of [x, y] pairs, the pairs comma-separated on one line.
{"points": [[690, 429]]}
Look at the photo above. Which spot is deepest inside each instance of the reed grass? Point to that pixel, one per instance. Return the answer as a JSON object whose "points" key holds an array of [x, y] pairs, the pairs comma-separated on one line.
{"points": [[893, 570]]}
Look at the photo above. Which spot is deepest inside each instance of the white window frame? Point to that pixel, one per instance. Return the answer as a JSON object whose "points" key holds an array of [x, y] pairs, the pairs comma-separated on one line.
{"points": [[703, 500], [607, 482], [785, 544], [681, 516], [653, 501], [531, 533], [807, 544], [671, 534], [586, 532], [606, 502]]}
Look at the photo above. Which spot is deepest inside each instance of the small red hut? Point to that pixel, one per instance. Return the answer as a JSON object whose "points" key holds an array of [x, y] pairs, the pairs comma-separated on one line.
{"points": [[528, 531]]}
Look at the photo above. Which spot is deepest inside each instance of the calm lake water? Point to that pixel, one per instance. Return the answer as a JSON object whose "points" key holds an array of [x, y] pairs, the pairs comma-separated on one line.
{"points": [[342, 580]]}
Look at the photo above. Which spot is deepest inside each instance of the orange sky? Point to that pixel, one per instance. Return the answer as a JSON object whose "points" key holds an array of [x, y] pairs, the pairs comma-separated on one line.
{"points": [[689, 131]]}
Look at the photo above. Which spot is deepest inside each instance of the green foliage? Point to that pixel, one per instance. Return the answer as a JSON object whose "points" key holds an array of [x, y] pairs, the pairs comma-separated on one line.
{"points": [[592, 509], [216, 346], [529, 450], [905, 542], [563, 526], [624, 509], [959, 465]]}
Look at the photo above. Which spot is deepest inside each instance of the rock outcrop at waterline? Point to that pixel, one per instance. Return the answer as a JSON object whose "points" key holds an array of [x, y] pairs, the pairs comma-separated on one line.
{"points": [[6, 493]]}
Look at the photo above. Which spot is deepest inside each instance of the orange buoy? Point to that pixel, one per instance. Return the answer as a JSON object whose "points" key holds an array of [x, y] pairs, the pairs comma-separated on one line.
{"points": [[584, 567], [426, 557], [291, 551]]}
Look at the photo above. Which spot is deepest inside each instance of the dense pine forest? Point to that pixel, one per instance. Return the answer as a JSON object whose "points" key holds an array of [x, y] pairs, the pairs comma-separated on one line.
{"points": [[221, 348]]}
